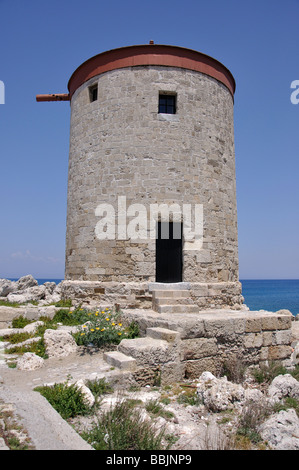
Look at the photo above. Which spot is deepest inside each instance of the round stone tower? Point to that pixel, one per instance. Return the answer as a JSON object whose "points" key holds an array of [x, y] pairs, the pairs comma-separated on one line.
{"points": [[151, 187]]}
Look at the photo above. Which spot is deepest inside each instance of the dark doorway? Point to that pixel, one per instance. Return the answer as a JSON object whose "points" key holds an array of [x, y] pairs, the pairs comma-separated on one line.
{"points": [[169, 252]]}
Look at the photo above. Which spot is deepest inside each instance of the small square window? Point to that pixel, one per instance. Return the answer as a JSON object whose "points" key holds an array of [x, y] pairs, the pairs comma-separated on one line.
{"points": [[167, 104], [93, 93]]}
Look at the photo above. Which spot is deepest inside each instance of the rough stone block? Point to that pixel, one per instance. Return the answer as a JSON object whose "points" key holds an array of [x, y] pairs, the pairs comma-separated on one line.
{"points": [[198, 348], [163, 333], [122, 361]]}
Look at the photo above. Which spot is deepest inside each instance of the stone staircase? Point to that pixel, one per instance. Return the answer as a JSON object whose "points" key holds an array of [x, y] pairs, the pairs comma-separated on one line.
{"points": [[170, 299], [159, 346]]}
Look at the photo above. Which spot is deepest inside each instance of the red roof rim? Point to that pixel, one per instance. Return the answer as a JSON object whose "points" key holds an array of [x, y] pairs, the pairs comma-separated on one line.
{"points": [[151, 54]]}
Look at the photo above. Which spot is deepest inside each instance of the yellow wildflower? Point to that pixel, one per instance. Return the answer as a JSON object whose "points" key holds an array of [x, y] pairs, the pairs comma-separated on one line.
{"points": [[102, 329], [120, 324], [108, 319], [119, 333], [82, 334], [91, 329], [97, 328], [113, 324]]}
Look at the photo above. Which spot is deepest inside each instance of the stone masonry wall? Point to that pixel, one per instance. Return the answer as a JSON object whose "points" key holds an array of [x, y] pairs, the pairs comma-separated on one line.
{"points": [[121, 146], [210, 341]]}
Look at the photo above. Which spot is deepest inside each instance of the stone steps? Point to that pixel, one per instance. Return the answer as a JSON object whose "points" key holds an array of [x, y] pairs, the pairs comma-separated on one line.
{"points": [[150, 350], [172, 300], [120, 360], [177, 308], [171, 293]]}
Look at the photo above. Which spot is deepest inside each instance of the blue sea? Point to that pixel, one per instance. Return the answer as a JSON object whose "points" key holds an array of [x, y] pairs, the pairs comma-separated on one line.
{"points": [[271, 294], [263, 294]]}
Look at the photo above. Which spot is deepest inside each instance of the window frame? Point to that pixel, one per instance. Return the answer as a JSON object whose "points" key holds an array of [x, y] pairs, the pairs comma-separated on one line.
{"points": [[93, 92], [170, 105]]}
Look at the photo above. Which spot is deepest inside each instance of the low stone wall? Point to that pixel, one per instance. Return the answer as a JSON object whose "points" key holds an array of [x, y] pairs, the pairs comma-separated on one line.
{"points": [[138, 294], [7, 314], [211, 339]]}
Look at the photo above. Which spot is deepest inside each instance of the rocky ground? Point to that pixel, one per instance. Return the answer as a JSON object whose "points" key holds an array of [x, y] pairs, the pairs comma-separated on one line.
{"points": [[209, 413]]}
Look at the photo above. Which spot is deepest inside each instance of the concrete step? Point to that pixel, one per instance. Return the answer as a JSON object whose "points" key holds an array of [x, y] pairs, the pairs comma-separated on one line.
{"points": [[173, 301], [120, 360], [175, 294], [191, 308]]}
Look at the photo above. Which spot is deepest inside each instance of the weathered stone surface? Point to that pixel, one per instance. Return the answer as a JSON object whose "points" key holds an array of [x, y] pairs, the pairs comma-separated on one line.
{"points": [[59, 343], [198, 348], [30, 361], [6, 286], [281, 430], [148, 351], [27, 294], [110, 149], [219, 394], [26, 289], [120, 360], [295, 355], [32, 327], [26, 282], [283, 386], [86, 392]]}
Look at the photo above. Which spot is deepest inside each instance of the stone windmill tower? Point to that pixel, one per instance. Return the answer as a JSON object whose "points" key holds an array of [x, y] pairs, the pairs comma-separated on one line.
{"points": [[151, 187]]}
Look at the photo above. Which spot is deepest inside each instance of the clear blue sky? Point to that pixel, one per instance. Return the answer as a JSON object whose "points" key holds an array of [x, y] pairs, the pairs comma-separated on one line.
{"points": [[42, 42]]}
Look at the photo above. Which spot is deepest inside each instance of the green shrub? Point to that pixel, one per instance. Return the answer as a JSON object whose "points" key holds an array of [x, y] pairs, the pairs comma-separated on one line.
{"points": [[71, 317], [133, 330], [155, 408], [266, 373], [104, 327], [20, 322], [6, 303], [66, 399], [37, 347], [253, 414], [63, 303], [99, 387], [287, 403], [295, 372], [19, 337], [123, 428]]}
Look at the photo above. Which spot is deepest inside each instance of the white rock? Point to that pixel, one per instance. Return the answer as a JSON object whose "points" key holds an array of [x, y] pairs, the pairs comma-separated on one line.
{"points": [[283, 386], [25, 282], [281, 430], [59, 343], [219, 394], [254, 395], [32, 327], [50, 287], [35, 293], [6, 287], [86, 392], [295, 355], [30, 361]]}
